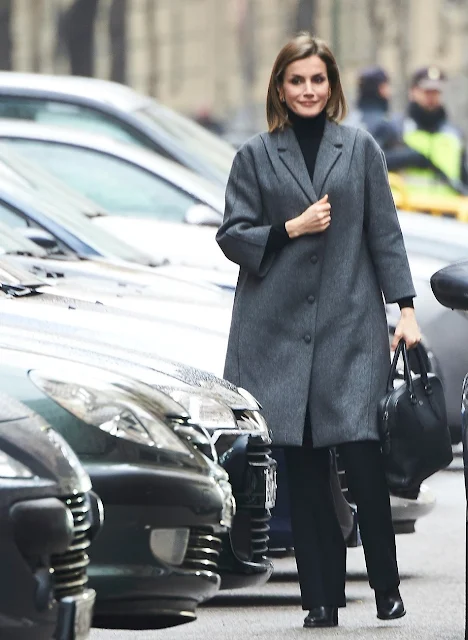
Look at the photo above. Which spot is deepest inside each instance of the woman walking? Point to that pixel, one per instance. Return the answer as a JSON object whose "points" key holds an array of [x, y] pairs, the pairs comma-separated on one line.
{"points": [[311, 221]]}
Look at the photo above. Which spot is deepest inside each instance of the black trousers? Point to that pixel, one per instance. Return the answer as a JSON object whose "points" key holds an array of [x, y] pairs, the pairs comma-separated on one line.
{"points": [[318, 541]]}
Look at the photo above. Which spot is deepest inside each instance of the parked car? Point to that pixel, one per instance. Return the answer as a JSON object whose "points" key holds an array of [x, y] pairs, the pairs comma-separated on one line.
{"points": [[158, 207], [231, 415], [450, 287], [48, 518], [166, 504], [130, 288], [99, 106]]}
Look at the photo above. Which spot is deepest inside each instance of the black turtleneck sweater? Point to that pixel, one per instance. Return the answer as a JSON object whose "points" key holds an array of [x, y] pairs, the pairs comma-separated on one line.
{"points": [[309, 133]]}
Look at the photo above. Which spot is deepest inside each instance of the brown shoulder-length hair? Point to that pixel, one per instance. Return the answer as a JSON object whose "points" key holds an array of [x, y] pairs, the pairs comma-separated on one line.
{"points": [[303, 46]]}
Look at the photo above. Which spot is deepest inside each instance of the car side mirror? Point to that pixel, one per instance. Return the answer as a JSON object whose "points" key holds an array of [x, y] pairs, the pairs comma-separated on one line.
{"points": [[450, 286], [41, 237], [201, 214]]}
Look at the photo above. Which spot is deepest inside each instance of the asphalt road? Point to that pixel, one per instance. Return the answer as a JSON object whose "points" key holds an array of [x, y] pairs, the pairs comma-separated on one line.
{"points": [[432, 566]]}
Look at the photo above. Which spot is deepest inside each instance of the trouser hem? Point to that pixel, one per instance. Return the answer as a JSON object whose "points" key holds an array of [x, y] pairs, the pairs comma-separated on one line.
{"points": [[339, 605]]}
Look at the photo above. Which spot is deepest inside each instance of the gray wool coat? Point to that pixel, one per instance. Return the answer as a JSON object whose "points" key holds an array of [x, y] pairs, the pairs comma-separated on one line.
{"points": [[308, 324]]}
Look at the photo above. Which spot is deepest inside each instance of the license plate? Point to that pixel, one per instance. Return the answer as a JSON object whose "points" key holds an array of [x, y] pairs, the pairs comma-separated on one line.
{"points": [[75, 616], [270, 487]]}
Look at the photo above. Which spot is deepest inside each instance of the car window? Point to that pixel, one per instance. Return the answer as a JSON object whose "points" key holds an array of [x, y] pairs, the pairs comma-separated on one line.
{"points": [[118, 186], [64, 114], [11, 218], [212, 149]]}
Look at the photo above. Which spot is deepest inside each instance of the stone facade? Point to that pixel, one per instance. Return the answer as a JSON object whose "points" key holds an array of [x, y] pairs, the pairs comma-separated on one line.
{"points": [[217, 54]]}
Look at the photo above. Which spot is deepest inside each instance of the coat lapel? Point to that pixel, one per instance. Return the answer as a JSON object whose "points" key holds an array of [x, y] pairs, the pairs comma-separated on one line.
{"points": [[328, 154], [291, 155]]}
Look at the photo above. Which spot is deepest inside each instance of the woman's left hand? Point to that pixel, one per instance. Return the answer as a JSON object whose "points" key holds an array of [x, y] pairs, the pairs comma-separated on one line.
{"points": [[407, 328]]}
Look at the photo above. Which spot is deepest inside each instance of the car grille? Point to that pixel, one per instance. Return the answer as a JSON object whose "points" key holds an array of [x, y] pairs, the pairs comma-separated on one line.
{"points": [[250, 530], [69, 568], [203, 551]]}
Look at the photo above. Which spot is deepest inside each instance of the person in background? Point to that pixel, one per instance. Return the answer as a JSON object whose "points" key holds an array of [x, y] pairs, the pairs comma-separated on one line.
{"points": [[431, 156], [373, 106]]}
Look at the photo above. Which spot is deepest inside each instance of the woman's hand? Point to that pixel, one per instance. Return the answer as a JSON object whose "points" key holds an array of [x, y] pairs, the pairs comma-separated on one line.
{"points": [[315, 219], [407, 328]]}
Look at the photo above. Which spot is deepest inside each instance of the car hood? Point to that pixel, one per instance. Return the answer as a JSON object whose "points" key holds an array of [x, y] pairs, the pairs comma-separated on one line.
{"points": [[180, 244], [143, 348], [101, 274]]}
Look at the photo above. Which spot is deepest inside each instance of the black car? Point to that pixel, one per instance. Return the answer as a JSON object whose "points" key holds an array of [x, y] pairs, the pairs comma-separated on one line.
{"points": [[166, 503], [48, 516], [450, 287]]}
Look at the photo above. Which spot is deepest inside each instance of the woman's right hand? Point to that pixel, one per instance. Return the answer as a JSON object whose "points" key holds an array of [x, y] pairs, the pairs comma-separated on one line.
{"points": [[314, 219]]}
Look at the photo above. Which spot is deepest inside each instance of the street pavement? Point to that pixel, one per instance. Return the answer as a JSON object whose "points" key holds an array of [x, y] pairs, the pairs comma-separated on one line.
{"points": [[432, 567]]}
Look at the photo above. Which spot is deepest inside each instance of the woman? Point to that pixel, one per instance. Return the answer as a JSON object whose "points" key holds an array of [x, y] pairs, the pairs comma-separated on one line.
{"points": [[311, 221]]}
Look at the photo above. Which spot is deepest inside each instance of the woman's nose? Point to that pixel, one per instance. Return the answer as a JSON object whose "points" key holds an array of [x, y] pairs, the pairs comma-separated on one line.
{"points": [[308, 89]]}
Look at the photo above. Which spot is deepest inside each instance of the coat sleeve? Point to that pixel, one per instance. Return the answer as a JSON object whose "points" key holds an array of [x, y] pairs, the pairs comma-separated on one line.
{"points": [[242, 236], [384, 236]]}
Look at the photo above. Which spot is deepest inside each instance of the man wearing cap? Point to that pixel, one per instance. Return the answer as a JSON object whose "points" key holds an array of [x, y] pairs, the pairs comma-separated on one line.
{"points": [[432, 158], [372, 107]]}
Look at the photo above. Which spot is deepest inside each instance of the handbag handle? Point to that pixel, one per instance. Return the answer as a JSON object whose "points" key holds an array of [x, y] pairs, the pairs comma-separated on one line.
{"points": [[403, 351], [400, 350]]}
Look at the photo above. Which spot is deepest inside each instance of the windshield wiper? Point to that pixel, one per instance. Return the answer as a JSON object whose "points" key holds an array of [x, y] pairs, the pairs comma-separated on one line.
{"points": [[20, 290]]}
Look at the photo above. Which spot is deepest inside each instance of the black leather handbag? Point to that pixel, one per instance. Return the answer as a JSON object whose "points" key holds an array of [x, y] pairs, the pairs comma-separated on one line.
{"points": [[413, 421]]}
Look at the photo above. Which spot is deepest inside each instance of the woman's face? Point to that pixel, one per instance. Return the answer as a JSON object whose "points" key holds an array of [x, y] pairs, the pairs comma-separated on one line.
{"points": [[305, 88]]}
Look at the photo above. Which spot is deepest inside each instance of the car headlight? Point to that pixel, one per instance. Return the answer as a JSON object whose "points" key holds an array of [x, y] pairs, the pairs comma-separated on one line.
{"points": [[216, 417], [253, 402], [108, 402], [11, 468], [204, 411]]}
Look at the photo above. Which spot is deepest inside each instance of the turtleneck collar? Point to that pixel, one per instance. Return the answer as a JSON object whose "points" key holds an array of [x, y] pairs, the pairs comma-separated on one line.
{"points": [[428, 120], [308, 127]]}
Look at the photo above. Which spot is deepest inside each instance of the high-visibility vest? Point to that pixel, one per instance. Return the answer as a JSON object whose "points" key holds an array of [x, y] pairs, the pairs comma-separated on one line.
{"points": [[443, 148]]}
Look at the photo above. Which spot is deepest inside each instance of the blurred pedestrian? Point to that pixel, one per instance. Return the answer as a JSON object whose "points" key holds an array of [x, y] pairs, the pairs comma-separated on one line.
{"points": [[373, 107], [310, 220], [205, 117], [432, 154]]}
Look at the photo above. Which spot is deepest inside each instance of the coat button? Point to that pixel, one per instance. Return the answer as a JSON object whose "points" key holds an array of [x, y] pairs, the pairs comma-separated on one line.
{"points": [[314, 259], [307, 338], [311, 299]]}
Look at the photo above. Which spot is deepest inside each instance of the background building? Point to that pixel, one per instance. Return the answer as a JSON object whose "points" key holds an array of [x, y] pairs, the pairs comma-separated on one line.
{"points": [[215, 55]]}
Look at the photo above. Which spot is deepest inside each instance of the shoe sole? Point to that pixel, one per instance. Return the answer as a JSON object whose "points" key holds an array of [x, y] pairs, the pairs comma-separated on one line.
{"points": [[400, 615]]}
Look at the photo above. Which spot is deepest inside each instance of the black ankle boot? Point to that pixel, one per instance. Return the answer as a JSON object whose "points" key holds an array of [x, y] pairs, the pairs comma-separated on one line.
{"points": [[322, 617], [389, 604]]}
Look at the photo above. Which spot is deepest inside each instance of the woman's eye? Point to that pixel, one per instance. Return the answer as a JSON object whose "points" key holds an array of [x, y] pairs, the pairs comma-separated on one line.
{"points": [[296, 81]]}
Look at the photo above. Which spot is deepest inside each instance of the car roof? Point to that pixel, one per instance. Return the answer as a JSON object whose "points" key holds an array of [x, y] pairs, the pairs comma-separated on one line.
{"points": [[167, 169], [93, 89]]}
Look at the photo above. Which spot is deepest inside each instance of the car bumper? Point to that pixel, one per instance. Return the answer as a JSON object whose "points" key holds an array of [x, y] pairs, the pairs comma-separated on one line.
{"points": [[138, 584], [252, 473], [47, 595], [405, 511]]}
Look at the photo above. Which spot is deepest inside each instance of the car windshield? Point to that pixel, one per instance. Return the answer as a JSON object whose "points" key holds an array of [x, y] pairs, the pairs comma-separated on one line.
{"points": [[213, 150], [22, 170], [80, 226]]}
